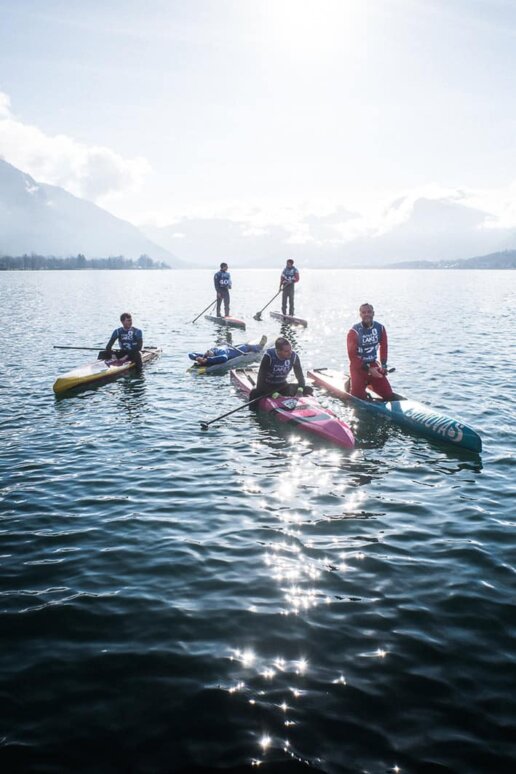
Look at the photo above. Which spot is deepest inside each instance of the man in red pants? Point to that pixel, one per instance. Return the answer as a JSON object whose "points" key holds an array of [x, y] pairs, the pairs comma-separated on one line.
{"points": [[364, 340]]}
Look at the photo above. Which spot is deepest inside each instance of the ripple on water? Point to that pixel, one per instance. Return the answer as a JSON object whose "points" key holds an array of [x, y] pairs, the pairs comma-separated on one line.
{"points": [[245, 595]]}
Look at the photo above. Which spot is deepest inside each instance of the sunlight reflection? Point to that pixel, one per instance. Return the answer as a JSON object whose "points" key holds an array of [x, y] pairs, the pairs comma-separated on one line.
{"points": [[353, 501], [250, 489], [238, 687], [265, 742], [246, 657], [302, 666]]}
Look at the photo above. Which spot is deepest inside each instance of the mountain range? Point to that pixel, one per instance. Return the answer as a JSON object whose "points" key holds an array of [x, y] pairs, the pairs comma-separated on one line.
{"points": [[421, 229], [45, 219], [418, 232]]}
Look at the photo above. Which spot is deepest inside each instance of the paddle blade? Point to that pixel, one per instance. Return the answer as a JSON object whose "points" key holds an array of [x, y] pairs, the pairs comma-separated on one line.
{"points": [[204, 425], [257, 316]]}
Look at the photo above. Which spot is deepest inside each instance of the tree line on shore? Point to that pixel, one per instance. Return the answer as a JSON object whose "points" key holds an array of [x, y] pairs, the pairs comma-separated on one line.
{"points": [[34, 262]]}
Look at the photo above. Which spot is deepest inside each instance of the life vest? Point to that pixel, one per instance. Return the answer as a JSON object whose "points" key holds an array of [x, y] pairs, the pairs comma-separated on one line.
{"points": [[289, 274], [130, 339], [369, 339], [222, 280], [279, 369]]}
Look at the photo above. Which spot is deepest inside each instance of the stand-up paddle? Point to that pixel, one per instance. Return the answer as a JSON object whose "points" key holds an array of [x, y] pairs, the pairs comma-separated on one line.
{"points": [[205, 310], [258, 315]]}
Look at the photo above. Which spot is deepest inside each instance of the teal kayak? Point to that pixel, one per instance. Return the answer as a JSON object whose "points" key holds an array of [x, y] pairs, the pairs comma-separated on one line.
{"points": [[407, 413]]}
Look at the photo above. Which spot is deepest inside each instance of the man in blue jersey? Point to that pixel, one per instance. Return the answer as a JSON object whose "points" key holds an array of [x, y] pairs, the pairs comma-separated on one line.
{"points": [[130, 340], [289, 277], [222, 282], [276, 364], [365, 341], [225, 352]]}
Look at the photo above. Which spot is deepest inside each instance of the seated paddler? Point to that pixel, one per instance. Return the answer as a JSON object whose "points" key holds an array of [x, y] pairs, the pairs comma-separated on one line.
{"points": [[130, 340], [275, 366], [224, 352]]}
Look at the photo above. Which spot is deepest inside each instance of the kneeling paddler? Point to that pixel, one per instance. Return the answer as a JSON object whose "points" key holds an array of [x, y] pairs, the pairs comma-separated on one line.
{"points": [[276, 364]]}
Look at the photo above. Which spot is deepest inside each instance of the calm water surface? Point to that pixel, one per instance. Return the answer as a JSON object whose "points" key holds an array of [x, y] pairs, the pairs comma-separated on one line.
{"points": [[173, 599]]}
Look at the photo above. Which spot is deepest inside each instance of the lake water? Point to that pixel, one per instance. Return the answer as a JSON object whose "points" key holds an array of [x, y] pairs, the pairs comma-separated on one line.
{"points": [[173, 600]]}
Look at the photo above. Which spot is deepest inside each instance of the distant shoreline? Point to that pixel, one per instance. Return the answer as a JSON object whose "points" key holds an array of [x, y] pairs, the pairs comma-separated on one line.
{"points": [[35, 262], [396, 267]]}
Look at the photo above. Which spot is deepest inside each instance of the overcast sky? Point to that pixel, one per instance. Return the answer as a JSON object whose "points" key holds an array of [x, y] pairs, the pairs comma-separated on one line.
{"points": [[162, 109]]}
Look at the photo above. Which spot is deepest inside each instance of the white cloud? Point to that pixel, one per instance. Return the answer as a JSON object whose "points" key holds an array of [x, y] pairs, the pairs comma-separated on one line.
{"points": [[5, 105], [87, 171]]}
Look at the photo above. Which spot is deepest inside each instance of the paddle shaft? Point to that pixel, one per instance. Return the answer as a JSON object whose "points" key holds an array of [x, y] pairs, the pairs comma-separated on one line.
{"points": [[205, 425], [93, 349], [205, 310], [317, 370], [258, 314]]}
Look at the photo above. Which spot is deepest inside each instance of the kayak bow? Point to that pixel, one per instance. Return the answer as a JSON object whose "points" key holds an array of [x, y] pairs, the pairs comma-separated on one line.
{"points": [[98, 371], [303, 412]]}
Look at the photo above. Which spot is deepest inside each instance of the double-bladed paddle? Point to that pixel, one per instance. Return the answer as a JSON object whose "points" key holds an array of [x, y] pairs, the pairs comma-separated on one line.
{"points": [[258, 315], [205, 310]]}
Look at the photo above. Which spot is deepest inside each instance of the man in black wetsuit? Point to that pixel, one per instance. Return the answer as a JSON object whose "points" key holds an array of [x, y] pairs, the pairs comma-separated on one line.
{"points": [[276, 364]]}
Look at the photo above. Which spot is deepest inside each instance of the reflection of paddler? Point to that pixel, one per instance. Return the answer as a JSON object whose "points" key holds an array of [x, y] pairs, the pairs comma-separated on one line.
{"points": [[363, 342], [226, 352], [276, 364]]}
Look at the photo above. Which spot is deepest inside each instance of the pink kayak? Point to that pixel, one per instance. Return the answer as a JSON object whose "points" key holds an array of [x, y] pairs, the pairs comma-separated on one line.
{"points": [[303, 412]]}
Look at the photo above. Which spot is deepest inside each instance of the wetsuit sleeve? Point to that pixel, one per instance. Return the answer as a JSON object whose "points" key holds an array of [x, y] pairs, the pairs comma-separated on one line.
{"points": [[215, 281], [139, 340], [296, 277], [261, 384], [114, 337], [281, 280], [217, 359], [230, 284], [298, 371], [383, 348], [352, 341]]}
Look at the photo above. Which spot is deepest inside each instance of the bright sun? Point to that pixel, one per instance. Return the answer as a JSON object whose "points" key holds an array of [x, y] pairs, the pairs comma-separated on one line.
{"points": [[305, 28]]}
